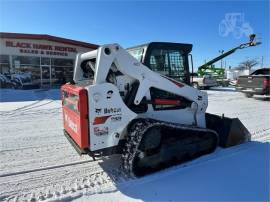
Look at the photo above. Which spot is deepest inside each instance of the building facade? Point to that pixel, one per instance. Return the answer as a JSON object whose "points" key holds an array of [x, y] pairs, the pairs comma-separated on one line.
{"points": [[39, 60], [233, 74]]}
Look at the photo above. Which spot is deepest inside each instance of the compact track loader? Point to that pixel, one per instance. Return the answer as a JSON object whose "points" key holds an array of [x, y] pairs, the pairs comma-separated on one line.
{"points": [[142, 107]]}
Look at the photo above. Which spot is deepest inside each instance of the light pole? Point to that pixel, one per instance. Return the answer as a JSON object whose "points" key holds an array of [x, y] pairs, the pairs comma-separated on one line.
{"points": [[221, 52]]}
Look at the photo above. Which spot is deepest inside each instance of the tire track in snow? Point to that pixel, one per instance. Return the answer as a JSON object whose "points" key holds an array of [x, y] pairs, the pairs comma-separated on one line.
{"points": [[26, 148], [261, 135], [98, 182], [43, 169], [52, 180], [19, 111]]}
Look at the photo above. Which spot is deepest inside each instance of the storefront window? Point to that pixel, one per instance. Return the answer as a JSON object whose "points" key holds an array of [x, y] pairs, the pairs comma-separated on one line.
{"points": [[25, 64], [61, 70], [45, 61], [26, 60], [62, 62], [39, 71], [4, 64]]}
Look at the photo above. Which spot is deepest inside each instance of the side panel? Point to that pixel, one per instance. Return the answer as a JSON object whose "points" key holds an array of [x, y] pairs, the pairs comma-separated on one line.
{"points": [[183, 116], [75, 114], [109, 116]]}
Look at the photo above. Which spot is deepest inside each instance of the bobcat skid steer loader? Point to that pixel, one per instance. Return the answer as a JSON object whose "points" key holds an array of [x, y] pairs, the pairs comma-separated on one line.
{"points": [[148, 113]]}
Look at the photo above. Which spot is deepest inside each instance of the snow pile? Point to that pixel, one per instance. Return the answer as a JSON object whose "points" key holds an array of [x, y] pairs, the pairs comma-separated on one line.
{"points": [[38, 163], [236, 174]]}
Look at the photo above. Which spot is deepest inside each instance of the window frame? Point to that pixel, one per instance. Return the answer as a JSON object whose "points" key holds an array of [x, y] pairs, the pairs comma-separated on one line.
{"points": [[184, 49]]}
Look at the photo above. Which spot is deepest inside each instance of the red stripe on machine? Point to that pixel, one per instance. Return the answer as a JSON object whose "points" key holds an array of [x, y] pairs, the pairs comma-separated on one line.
{"points": [[167, 102], [101, 119]]}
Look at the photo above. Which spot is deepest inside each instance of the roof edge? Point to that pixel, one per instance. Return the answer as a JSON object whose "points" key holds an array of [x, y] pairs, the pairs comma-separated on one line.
{"points": [[47, 37], [161, 43]]}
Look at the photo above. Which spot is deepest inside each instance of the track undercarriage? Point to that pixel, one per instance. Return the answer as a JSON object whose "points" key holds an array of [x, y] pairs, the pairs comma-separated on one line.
{"points": [[153, 145]]}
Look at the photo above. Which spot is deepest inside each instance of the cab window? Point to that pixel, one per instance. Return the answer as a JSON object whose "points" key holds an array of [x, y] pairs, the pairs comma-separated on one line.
{"points": [[136, 53], [168, 62]]}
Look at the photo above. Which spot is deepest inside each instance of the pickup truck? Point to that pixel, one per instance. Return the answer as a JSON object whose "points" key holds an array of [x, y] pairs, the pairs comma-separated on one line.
{"points": [[256, 83], [204, 82]]}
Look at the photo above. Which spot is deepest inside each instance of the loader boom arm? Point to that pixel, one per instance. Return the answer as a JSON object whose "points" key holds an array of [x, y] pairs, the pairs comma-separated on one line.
{"points": [[114, 55], [251, 43]]}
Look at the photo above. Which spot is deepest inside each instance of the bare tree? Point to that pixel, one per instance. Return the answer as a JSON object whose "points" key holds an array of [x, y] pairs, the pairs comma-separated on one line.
{"points": [[247, 64]]}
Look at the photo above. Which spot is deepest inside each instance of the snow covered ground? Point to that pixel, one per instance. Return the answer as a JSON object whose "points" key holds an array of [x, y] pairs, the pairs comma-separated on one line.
{"points": [[38, 163]]}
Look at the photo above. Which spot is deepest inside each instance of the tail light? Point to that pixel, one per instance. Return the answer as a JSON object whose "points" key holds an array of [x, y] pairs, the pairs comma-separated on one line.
{"points": [[266, 82]]}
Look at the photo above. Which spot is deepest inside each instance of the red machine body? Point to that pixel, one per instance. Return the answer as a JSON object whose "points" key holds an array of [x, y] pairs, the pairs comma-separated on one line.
{"points": [[75, 114]]}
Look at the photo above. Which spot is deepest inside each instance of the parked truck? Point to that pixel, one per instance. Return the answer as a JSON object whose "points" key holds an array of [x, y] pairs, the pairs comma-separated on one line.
{"points": [[256, 83], [203, 82]]}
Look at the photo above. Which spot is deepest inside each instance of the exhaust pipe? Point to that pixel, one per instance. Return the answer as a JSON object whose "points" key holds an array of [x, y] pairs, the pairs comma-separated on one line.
{"points": [[231, 131]]}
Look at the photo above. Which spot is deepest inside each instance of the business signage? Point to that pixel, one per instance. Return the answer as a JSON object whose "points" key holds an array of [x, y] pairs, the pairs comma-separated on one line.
{"points": [[42, 49]]}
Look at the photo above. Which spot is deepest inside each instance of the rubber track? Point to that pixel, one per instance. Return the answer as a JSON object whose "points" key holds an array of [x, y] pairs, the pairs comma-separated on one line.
{"points": [[135, 134]]}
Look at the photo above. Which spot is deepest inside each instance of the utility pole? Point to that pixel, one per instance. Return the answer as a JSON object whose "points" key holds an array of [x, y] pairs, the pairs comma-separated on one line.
{"points": [[221, 61], [262, 62]]}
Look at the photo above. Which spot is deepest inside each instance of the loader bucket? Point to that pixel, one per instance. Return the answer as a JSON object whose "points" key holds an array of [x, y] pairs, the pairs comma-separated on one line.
{"points": [[231, 131]]}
